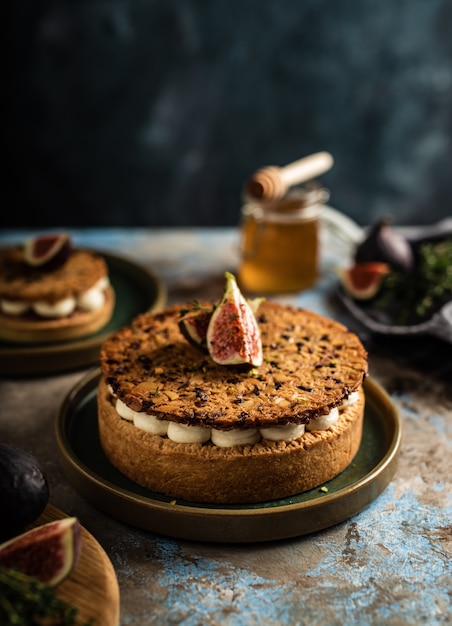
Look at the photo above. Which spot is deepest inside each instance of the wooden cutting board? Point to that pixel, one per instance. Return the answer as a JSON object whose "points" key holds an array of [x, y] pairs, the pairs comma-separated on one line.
{"points": [[92, 586]]}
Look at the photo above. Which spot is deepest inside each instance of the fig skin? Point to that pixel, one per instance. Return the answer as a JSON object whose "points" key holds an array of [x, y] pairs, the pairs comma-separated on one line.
{"points": [[384, 245], [24, 490], [48, 552]]}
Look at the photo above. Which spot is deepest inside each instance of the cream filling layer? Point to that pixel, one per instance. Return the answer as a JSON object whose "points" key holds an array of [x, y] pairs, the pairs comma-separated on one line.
{"points": [[90, 300], [182, 433]]}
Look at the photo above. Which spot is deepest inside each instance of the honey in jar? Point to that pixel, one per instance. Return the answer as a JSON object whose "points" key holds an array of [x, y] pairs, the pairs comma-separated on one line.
{"points": [[280, 242]]}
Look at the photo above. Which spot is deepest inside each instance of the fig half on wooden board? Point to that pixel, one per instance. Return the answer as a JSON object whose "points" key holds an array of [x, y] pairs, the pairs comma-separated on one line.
{"points": [[48, 552]]}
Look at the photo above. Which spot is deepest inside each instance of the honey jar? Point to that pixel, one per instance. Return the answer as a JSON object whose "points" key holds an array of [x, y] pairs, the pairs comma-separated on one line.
{"points": [[280, 241]]}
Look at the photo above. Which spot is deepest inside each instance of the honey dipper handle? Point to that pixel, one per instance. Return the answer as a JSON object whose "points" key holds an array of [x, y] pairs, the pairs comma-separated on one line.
{"points": [[306, 168]]}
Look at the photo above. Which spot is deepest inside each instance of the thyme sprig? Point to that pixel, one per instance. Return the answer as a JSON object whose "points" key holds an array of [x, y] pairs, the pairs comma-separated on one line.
{"points": [[25, 601], [422, 292]]}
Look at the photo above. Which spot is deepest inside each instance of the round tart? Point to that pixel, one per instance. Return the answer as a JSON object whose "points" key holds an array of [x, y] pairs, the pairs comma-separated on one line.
{"points": [[312, 368], [33, 299]]}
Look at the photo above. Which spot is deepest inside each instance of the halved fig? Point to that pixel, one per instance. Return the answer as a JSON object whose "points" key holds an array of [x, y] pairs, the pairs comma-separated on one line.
{"points": [[193, 325], [383, 244], [362, 281], [47, 251], [48, 552], [233, 336]]}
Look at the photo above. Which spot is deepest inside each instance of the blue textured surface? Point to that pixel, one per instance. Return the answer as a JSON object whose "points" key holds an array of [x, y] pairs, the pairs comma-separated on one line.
{"points": [[388, 565], [380, 567]]}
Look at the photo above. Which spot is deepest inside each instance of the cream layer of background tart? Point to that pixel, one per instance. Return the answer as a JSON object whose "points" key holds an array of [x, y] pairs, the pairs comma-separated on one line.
{"points": [[177, 423], [90, 300]]}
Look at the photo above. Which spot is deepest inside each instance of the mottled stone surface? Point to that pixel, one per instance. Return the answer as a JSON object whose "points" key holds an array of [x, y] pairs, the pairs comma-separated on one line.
{"points": [[155, 113], [389, 564]]}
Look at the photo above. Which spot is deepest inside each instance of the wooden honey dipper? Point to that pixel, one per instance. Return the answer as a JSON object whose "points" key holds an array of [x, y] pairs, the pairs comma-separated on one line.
{"points": [[272, 182]]}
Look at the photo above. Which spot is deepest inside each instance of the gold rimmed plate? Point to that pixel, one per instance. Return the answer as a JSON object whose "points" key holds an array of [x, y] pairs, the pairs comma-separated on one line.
{"points": [[90, 472], [137, 290]]}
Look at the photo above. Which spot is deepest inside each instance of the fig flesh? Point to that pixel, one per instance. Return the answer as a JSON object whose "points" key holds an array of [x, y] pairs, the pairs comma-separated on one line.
{"points": [[47, 251], [48, 552], [24, 490], [193, 324], [385, 245], [362, 281], [233, 336]]}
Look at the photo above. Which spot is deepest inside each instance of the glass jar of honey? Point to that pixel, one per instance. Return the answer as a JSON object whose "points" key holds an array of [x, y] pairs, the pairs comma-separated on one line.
{"points": [[280, 241]]}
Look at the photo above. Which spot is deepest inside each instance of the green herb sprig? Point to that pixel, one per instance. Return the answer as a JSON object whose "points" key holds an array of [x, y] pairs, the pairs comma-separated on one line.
{"points": [[25, 601], [422, 292]]}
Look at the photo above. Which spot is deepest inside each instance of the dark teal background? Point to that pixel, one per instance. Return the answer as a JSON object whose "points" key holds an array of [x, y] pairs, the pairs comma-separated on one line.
{"points": [[154, 112]]}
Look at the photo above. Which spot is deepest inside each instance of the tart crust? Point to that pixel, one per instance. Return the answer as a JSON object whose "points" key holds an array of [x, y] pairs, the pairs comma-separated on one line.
{"points": [[30, 328], [240, 474], [311, 365], [27, 284]]}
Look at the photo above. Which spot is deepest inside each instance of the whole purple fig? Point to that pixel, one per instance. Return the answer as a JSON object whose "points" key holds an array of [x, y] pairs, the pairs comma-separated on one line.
{"points": [[385, 245], [24, 490]]}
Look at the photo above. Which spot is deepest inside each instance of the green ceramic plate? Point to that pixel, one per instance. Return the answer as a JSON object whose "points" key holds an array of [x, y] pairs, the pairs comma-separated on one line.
{"points": [[137, 290], [90, 472]]}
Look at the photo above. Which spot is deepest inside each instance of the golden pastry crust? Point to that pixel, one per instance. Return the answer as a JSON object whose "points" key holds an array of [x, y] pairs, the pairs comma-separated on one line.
{"points": [[311, 365], [21, 282], [240, 474], [30, 328]]}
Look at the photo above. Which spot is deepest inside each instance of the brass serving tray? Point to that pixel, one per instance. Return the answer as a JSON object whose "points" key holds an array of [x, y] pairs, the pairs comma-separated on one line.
{"points": [[137, 290], [90, 472]]}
